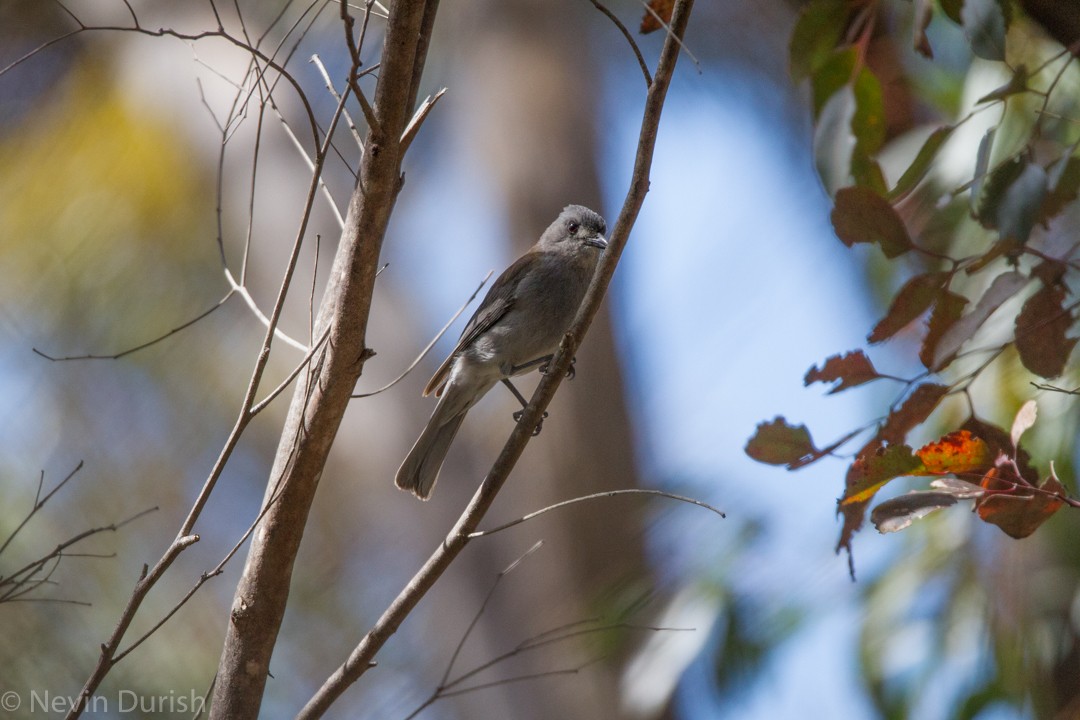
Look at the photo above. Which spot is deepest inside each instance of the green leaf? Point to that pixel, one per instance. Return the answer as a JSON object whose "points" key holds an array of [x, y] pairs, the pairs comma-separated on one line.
{"points": [[1012, 199], [817, 32], [923, 160], [984, 25], [913, 299], [982, 162], [871, 470], [836, 72], [1017, 84], [778, 443], [851, 369], [834, 142], [862, 216]]}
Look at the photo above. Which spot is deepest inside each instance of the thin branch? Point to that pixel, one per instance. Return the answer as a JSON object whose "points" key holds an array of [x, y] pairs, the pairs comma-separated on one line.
{"points": [[259, 406], [418, 119], [318, 63], [250, 302], [480, 611], [142, 346], [671, 35], [597, 496], [360, 659], [629, 39], [430, 345], [39, 502]]}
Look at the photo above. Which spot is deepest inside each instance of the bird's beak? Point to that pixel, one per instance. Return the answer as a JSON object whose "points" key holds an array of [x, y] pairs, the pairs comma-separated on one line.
{"points": [[597, 242]]}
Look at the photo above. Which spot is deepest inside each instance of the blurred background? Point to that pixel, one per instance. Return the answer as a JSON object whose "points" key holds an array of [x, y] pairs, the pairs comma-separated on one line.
{"points": [[731, 287]]}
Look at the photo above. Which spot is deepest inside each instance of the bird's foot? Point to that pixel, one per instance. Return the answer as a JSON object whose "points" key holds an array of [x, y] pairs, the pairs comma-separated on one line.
{"points": [[539, 425]]}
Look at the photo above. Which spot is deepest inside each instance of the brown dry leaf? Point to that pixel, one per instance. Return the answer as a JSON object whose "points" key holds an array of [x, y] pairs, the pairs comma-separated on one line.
{"points": [[663, 8]]}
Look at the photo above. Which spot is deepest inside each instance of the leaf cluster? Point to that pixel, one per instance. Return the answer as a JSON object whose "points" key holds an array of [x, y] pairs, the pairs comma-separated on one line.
{"points": [[987, 254]]}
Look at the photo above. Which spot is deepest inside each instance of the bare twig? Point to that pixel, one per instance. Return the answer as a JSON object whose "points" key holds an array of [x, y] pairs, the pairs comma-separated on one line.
{"points": [[418, 119], [318, 63], [39, 502], [671, 34], [629, 39], [596, 496], [430, 345], [360, 659], [142, 346]]}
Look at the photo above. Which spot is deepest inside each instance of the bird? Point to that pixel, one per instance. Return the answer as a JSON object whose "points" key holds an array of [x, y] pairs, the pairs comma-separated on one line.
{"points": [[516, 328]]}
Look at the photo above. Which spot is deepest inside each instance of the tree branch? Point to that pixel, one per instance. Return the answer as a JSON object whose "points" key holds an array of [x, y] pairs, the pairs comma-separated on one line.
{"points": [[360, 659]]}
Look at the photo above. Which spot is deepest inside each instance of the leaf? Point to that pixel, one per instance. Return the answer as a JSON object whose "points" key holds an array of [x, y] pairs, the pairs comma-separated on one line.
{"points": [[918, 406], [923, 160], [851, 369], [1017, 84], [982, 162], [959, 489], [1000, 443], [817, 32], [1020, 511], [1063, 184], [869, 121], [1025, 418], [913, 299], [1001, 289], [899, 512], [835, 72], [1018, 205], [834, 141], [778, 443], [951, 8], [663, 8], [957, 453], [984, 25], [947, 310], [872, 469], [924, 13], [862, 216], [1040, 332]]}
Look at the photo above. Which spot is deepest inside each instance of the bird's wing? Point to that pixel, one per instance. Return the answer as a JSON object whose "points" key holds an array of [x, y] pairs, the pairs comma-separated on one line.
{"points": [[496, 303]]}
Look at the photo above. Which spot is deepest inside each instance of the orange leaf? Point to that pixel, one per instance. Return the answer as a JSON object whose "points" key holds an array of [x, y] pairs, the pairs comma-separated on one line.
{"points": [[663, 8], [957, 453]]}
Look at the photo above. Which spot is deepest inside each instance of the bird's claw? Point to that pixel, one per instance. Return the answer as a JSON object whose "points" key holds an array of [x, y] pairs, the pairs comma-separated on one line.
{"points": [[539, 425], [571, 371]]}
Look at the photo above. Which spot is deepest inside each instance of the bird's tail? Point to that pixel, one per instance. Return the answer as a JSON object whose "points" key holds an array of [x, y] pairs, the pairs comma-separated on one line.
{"points": [[420, 469]]}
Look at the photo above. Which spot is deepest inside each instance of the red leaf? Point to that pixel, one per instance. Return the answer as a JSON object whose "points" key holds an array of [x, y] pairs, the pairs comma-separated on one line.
{"points": [[1019, 511], [851, 369], [918, 406], [1000, 443], [915, 298], [663, 8], [778, 443], [947, 310], [1040, 332], [862, 216]]}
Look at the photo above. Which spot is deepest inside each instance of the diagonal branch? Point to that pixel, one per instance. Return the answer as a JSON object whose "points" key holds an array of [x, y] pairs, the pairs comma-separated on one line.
{"points": [[362, 656]]}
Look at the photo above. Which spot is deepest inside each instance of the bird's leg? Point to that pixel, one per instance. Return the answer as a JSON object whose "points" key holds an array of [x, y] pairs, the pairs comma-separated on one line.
{"points": [[543, 361], [524, 404]]}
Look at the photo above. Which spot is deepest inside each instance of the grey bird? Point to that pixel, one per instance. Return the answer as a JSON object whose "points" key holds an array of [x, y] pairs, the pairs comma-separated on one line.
{"points": [[516, 328]]}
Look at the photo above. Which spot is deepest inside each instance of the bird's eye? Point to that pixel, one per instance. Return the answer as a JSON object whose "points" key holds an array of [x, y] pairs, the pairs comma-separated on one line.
{"points": [[572, 227]]}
